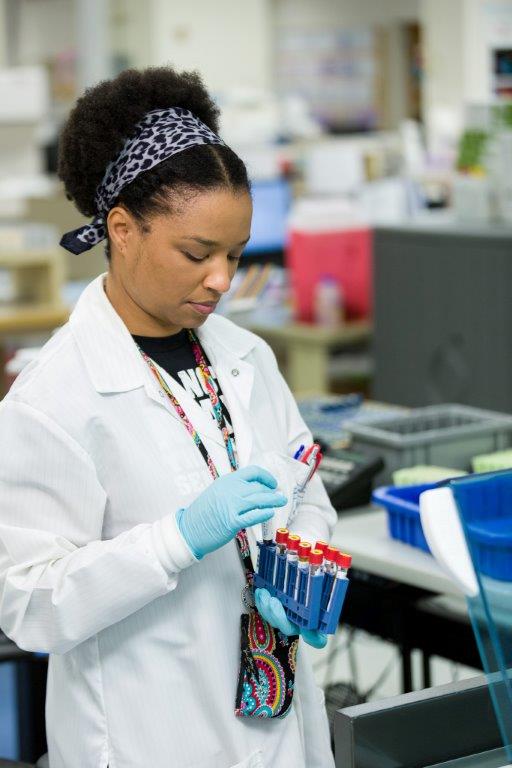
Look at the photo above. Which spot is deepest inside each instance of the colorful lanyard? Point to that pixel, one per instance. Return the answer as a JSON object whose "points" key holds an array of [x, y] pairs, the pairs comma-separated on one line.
{"points": [[241, 537]]}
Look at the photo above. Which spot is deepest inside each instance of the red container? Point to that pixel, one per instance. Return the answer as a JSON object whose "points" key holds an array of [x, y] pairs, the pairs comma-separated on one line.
{"points": [[346, 255]]}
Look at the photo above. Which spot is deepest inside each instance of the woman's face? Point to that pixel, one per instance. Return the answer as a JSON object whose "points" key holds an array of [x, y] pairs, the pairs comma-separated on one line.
{"points": [[172, 276]]}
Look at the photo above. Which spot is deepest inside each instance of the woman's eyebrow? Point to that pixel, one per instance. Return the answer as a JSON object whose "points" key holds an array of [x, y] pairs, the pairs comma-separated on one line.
{"points": [[210, 243]]}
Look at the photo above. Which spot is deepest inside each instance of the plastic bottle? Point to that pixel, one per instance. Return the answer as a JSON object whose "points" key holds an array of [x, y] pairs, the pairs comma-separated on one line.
{"points": [[327, 302]]}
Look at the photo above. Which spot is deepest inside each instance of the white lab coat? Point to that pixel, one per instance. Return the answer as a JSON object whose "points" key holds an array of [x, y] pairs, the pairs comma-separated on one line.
{"points": [[143, 638]]}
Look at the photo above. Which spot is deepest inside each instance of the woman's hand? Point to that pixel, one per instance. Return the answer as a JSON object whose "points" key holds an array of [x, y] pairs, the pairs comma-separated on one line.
{"points": [[272, 610], [232, 502]]}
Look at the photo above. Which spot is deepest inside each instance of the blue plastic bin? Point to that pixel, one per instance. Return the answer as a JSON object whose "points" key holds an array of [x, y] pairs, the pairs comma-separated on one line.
{"points": [[485, 505], [403, 507]]}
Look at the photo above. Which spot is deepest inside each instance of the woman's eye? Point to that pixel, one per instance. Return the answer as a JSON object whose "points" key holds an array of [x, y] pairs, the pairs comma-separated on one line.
{"points": [[192, 257], [232, 257]]}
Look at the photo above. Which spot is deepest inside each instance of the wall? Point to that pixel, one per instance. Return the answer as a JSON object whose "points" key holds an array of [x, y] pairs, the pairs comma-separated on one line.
{"points": [[488, 23], [443, 45], [228, 41], [353, 12], [388, 16], [4, 39], [129, 31], [458, 37], [44, 28]]}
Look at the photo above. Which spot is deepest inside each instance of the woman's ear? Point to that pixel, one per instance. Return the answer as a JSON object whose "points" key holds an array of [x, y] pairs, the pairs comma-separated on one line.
{"points": [[122, 229]]}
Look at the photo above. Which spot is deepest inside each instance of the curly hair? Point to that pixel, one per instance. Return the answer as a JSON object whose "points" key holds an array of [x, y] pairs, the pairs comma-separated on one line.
{"points": [[106, 115]]}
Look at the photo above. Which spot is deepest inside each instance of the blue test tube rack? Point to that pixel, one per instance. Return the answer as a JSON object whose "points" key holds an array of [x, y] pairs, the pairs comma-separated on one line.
{"points": [[271, 574]]}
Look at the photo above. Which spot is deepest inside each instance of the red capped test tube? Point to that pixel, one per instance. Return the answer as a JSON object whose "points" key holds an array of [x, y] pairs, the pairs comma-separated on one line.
{"points": [[343, 562], [322, 545], [292, 555], [302, 565], [292, 546], [331, 560], [316, 558], [282, 540]]}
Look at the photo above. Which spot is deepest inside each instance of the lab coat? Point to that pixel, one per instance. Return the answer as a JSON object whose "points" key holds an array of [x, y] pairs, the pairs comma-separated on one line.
{"points": [[143, 638]]}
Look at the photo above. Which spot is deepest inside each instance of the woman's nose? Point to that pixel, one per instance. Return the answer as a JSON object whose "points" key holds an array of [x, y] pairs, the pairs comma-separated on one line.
{"points": [[218, 277]]}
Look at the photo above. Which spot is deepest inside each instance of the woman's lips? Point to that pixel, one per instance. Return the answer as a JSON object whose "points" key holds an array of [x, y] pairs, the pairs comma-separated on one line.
{"points": [[203, 309]]}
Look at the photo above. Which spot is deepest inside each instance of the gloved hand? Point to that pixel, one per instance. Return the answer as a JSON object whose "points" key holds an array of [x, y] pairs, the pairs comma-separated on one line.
{"points": [[232, 502], [272, 610]]}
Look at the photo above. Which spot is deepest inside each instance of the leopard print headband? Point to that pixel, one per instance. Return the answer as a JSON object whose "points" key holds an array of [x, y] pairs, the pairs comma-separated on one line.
{"points": [[160, 134]]}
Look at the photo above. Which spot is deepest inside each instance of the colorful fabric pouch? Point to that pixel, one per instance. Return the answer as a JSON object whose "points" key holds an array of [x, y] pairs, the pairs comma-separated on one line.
{"points": [[267, 669]]}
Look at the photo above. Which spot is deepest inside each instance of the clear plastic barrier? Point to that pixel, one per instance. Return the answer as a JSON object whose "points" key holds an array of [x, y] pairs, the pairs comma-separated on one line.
{"points": [[484, 503], [496, 758]]}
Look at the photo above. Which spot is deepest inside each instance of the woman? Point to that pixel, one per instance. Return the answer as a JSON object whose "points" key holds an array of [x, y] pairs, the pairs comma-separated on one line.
{"points": [[136, 450]]}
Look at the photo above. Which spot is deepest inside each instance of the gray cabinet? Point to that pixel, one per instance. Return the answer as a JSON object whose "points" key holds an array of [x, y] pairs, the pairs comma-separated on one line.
{"points": [[443, 315]]}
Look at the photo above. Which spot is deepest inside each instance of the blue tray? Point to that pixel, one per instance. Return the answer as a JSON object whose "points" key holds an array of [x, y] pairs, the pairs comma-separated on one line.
{"points": [[314, 615], [485, 505], [403, 508]]}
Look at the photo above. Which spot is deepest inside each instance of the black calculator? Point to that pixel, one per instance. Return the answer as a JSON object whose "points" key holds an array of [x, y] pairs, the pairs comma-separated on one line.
{"points": [[348, 477]]}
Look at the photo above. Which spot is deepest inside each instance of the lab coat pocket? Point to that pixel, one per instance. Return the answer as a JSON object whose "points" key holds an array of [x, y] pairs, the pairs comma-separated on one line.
{"points": [[290, 475]]}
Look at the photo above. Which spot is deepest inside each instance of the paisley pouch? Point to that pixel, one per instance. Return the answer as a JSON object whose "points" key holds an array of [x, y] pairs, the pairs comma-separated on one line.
{"points": [[267, 669]]}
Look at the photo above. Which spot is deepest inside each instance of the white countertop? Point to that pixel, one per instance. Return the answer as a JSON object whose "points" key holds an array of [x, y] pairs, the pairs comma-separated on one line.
{"points": [[363, 533]]}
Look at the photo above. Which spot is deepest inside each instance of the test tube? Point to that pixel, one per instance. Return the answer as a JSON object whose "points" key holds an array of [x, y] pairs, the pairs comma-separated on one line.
{"points": [[330, 568], [331, 560], [266, 529], [316, 557], [322, 545], [302, 565], [281, 540], [343, 562], [292, 555]]}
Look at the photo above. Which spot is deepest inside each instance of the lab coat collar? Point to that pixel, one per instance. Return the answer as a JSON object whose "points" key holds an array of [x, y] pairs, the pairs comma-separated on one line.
{"points": [[115, 365], [105, 343]]}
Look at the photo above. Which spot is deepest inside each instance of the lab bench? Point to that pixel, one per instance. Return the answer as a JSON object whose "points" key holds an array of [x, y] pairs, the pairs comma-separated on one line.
{"points": [[27, 319], [307, 349], [399, 593]]}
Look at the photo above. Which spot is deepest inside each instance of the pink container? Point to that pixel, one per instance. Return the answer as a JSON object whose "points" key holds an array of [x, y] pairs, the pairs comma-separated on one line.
{"points": [[345, 254]]}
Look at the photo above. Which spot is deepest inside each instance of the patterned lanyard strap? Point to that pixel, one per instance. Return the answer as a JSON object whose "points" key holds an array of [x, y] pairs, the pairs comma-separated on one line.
{"points": [[241, 537]]}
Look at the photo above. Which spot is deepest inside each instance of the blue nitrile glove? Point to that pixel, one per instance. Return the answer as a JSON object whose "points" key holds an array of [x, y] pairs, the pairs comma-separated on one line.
{"points": [[232, 502], [272, 610]]}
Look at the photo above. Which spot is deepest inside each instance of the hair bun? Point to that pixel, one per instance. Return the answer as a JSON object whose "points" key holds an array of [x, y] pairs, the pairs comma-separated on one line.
{"points": [[106, 115]]}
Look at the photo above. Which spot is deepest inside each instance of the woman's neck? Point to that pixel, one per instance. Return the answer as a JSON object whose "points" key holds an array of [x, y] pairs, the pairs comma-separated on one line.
{"points": [[137, 320]]}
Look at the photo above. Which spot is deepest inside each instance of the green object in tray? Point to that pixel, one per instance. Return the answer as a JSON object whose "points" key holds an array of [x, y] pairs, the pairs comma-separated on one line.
{"points": [[492, 462], [424, 473]]}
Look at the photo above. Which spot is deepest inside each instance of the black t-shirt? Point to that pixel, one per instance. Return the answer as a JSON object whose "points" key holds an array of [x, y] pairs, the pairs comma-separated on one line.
{"points": [[174, 354]]}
